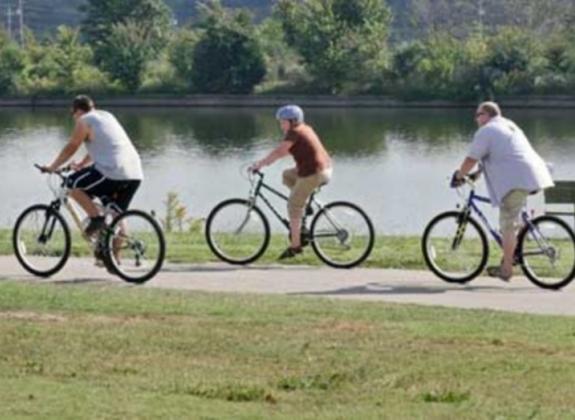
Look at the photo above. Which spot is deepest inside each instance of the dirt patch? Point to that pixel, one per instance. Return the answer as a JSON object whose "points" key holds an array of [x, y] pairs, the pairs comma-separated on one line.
{"points": [[32, 316]]}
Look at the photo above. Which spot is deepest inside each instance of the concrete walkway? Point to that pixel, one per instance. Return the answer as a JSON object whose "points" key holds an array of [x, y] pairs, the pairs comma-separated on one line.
{"points": [[401, 286]]}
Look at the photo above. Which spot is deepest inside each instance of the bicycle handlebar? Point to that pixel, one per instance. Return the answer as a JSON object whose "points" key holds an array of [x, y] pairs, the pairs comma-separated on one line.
{"points": [[469, 179], [60, 171]]}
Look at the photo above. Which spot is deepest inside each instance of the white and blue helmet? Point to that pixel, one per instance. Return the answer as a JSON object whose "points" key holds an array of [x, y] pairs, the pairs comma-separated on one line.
{"points": [[290, 112]]}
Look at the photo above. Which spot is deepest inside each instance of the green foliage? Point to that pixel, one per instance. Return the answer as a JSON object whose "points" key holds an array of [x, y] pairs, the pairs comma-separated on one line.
{"points": [[181, 54], [59, 64], [11, 63], [515, 59], [342, 42], [127, 53], [125, 35], [282, 62], [228, 57]]}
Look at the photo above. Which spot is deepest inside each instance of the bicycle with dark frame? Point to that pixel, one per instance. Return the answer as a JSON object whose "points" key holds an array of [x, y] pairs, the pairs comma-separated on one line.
{"points": [[238, 232]]}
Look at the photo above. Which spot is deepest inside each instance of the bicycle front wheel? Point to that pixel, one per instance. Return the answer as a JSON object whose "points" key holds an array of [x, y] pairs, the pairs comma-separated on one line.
{"points": [[41, 240], [547, 252], [454, 247], [237, 232], [134, 246], [342, 235]]}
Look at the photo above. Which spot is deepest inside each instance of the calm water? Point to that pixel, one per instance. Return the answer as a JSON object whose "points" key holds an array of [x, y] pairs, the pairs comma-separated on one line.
{"points": [[394, 163]]}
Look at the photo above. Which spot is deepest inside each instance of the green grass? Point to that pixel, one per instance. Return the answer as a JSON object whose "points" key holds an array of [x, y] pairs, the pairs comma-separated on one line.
{"points": [[102, 351], [389, 251]]}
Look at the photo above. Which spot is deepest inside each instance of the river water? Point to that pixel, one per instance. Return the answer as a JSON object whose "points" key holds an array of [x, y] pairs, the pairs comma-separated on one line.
{"points": [[393, 163]]}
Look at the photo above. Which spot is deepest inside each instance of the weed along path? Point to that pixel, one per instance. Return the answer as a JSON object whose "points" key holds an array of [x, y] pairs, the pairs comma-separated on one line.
{"points": [[401, 286]]}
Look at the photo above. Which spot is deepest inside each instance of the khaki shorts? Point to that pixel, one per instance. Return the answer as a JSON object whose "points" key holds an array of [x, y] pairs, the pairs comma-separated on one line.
{"points": [[510, 208], [302, 188]]}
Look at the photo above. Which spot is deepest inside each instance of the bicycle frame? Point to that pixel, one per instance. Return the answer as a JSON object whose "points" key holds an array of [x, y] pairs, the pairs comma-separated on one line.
{"points": [[471, 206], [256, 192], [62, 200]]}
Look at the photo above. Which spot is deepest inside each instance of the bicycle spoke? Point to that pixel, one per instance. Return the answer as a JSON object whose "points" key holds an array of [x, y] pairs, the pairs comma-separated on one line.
{"points": [[454, 250], [548, 252], [135, 246], [342, 235], [41, 240]]}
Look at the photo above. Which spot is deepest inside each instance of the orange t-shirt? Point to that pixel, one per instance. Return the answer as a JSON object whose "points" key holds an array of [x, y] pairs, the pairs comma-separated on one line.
{"points": [[307, 150]]}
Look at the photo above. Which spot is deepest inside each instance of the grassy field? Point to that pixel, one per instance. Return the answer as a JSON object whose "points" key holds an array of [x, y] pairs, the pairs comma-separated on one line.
{"points": [[102, 351], [389, 251]]}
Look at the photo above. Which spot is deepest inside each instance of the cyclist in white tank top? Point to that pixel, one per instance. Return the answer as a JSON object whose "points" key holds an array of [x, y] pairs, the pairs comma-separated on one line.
{"points": [[111, 170]]}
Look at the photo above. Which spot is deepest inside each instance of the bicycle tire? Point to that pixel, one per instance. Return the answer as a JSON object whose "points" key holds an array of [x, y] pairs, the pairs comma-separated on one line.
{"points": [[18, 245], [327, 212], [430, 254], [568, 252], [138, 244], [216, 244]]}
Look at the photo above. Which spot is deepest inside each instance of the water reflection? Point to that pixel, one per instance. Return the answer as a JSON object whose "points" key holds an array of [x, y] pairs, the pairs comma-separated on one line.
{"points": [[394, 162]]}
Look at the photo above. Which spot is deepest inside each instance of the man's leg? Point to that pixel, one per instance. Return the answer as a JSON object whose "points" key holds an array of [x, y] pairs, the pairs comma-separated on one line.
{"points": [[85, 202], [511, 207]]}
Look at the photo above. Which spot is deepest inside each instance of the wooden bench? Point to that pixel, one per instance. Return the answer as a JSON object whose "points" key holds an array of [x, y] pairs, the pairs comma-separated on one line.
{"points": [[563, 193]]}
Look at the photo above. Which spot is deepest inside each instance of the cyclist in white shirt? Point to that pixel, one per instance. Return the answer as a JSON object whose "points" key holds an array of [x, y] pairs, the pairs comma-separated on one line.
{"points": [[512, 169], [111, 170]]}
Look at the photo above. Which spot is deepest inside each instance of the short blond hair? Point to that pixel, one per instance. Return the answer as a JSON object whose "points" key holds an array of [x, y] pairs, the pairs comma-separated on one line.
{"points": [[490, 108]]}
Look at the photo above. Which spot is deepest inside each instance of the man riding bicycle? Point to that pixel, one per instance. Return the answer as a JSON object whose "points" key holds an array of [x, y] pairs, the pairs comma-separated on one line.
{"points": [[512, 169], [111, 170]]}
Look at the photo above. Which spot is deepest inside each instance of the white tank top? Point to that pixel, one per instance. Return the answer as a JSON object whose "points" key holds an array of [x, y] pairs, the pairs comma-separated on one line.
{"points": [[110, 148]]}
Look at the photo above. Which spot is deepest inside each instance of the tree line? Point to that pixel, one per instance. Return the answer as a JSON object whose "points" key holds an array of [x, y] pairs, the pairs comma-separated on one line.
{"points": [[304, 46]]}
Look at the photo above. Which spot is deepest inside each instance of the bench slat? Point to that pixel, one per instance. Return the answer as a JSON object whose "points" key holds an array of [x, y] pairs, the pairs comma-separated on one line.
{"points": [[562, 193]]}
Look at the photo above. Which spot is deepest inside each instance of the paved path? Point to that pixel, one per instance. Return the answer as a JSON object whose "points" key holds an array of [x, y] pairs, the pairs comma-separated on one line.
{"points": [[363, 284]]}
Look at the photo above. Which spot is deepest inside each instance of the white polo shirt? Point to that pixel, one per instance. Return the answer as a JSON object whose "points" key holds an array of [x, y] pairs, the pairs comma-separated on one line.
{"points": [[509, 161]]}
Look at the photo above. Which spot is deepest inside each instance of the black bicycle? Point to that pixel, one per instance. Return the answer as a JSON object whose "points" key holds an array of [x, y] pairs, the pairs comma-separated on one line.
{"points": [[131, 246], [238, 232]]}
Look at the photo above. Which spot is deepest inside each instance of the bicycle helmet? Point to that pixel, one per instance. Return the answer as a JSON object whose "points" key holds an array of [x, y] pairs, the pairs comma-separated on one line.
{"points": [[290, 112]]}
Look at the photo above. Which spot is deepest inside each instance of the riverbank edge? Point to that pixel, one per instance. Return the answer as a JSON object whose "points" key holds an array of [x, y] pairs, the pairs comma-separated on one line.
{"points": [[324, 101]]}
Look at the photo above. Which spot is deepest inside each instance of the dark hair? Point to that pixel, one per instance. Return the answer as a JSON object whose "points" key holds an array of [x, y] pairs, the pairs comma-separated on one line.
{"points": [[491, 108], [82, 103]]}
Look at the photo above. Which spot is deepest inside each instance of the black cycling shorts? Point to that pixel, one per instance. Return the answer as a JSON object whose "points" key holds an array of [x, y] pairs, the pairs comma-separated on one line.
{"points": [[93, 183]]}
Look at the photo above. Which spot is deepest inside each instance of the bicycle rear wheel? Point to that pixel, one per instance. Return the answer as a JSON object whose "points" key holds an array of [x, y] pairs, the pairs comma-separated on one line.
{"points": [[134, 246], [342, 235], [547, 252], [237, 232], [41, 240], [454, 247]]}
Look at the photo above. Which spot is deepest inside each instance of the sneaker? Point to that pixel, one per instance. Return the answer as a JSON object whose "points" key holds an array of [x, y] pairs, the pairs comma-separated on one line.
{"points": [[304, 237], [497, 271], [290, 253], [96, 224]]}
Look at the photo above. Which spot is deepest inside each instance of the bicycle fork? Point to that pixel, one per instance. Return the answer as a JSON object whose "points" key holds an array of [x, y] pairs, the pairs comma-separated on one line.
{"points": [[461, 226]]}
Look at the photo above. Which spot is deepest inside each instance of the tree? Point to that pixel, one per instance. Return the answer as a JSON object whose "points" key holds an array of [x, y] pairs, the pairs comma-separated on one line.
{"points": [[228, 57], [342, 42], [181, 54], [59, 63], [125, 35], [11, 63]]}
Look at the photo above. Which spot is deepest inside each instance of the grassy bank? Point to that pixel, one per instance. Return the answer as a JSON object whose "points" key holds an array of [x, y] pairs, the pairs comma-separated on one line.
{"points": [[98, 351], [389, 251]]}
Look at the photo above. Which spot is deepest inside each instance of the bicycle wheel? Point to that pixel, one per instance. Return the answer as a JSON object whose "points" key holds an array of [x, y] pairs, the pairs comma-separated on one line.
{"points": [[342, 235], [454, 249], [134, 246], [547, 252], [237, 231], [41, 240]]}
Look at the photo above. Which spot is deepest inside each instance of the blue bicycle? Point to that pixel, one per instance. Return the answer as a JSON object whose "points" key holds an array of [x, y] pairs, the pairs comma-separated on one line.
{"points": [[456, 249]]}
